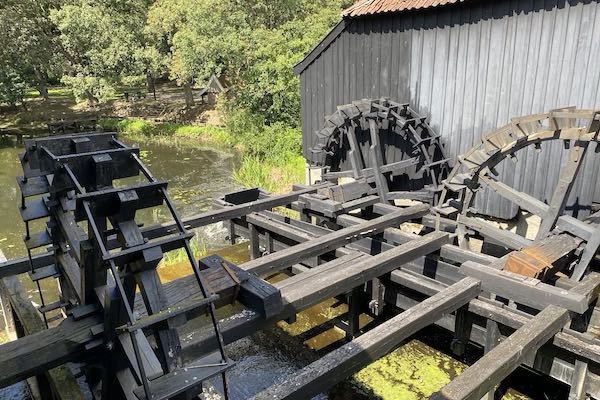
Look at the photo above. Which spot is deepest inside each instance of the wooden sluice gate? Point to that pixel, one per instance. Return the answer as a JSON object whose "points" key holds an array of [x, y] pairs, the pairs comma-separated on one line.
{"points": [[527, 302]]}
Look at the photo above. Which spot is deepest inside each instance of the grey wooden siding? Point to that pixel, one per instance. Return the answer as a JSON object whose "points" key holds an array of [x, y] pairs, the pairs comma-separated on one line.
{"points": [[471, 68]]}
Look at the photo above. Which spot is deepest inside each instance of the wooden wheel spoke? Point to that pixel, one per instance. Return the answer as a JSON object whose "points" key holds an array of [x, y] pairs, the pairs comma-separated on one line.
{"points": [[563, 188], [523, 200]]}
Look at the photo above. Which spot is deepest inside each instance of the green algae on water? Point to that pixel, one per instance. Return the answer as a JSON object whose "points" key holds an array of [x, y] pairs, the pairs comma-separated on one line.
{"points": [[412, 372]]}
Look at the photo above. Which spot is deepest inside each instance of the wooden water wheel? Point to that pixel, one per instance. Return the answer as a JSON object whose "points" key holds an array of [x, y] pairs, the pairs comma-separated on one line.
{"points": [[385, 142], [477, 169]]}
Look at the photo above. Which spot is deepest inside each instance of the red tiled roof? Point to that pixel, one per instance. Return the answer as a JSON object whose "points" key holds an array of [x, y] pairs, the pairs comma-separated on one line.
{"points": [[372, 7]]}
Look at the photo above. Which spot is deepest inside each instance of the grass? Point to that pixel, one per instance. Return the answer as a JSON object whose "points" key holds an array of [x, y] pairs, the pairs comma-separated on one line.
{"points": [[266, 163], [169, 133], [272, 176], [180, 255]]}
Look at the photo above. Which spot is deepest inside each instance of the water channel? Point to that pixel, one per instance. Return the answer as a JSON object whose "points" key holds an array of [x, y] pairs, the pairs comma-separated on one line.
{"points": [[196, 176]]}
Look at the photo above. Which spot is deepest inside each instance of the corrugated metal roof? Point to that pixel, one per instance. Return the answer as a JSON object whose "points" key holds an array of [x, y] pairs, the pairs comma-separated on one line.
{"points": [[372, 7]]}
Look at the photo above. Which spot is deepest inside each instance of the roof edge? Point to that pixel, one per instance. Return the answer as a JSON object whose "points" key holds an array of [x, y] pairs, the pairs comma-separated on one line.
{"points": [[333, 34], [379, 7]]}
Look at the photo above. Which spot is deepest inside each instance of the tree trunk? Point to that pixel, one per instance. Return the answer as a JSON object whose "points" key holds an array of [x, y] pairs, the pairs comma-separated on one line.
{"points": [[92, 100], [43, 89], [42, 84], [150, 84], [189, 96]]}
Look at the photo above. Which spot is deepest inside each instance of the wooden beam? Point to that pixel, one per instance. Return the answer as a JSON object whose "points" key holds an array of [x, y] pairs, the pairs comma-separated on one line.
{"points": [[376, 159], [343, 362], [588, 255], [292, 255], [576, 227], [336, 281], [448, 251], [43, 350], [563, 188], [524, 290], [499, 362], [494, 234], [523, 200], [368, 172], [319, 283]]}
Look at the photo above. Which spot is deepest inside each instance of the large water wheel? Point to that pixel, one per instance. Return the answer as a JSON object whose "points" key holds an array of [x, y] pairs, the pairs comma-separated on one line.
{"points": [[478, 168], [385, 142]]}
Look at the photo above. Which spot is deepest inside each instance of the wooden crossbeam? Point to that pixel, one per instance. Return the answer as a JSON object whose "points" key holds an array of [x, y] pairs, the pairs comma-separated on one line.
{"points": [[494, 234], [21, 265], [588, 255], [499, 362], [368, 172], [448, 251], [322, 282], [285, 258], [525, 290], [341, 363], [340, 280]]}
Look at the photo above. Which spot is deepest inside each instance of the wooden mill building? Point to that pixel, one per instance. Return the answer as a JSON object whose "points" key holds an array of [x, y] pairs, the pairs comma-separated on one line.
{"points": [[470, 66]]}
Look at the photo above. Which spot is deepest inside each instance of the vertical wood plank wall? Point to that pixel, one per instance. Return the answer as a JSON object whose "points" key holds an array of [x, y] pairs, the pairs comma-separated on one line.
{"points": [[471, 68]]}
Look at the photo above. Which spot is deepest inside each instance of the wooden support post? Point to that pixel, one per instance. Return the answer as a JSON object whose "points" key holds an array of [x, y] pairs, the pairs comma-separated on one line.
{"points": [[341, 363], [231, 232], [254, 242], [563, 188], [496, 365], [7, 313], [269, 242], [377, 297], [463, 325], [353, 326], [492, 338], [577, 391]]}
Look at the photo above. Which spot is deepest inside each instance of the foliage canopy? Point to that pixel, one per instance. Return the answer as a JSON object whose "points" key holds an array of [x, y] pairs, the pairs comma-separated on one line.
{"points": [[98, 46]]}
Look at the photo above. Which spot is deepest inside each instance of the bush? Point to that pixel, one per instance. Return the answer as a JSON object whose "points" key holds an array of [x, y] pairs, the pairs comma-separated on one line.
{"points": [[275, 143], [90, 88], [12, 88]]}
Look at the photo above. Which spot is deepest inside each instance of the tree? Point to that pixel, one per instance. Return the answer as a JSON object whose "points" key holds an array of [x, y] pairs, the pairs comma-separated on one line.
{"points": [[31, 48], [104, 44], [254, 43]]}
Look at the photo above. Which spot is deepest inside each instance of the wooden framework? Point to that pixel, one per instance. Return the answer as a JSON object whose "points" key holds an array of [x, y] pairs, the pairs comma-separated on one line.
{"points": [[349, 242]]}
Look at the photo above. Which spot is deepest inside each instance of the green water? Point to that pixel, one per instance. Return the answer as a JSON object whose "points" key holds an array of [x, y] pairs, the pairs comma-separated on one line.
{"points": [[195, 176]]}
